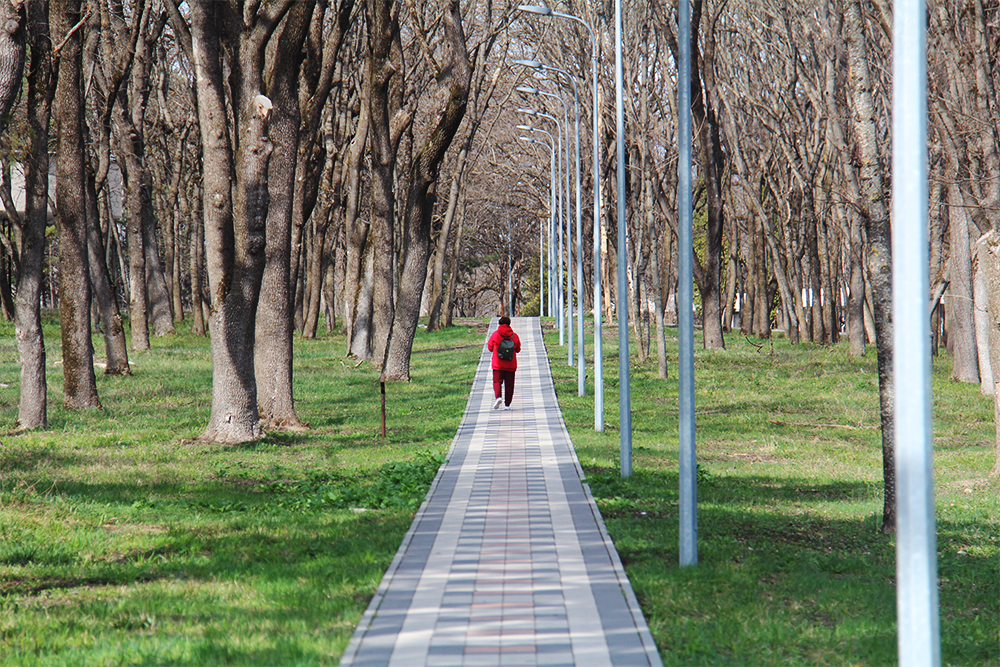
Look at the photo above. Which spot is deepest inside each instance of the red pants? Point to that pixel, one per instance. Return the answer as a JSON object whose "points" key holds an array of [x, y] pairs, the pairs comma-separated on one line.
{"points": [[503, 378]]}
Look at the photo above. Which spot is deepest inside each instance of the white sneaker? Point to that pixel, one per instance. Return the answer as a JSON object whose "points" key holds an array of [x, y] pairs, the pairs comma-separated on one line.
{"points": [[506, 407], [497, 403]]}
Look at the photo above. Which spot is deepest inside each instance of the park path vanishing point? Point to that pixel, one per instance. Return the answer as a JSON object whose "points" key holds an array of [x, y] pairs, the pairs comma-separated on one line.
{"points": [[507, 561]]}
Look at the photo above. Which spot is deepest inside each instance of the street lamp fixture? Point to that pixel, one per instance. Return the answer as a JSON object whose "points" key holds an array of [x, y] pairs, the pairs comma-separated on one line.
{"points": [[540, 8]]}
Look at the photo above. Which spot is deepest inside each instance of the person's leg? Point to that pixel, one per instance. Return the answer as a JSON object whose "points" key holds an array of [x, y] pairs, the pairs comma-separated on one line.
{"points": [[497, 383], [509, 387]]}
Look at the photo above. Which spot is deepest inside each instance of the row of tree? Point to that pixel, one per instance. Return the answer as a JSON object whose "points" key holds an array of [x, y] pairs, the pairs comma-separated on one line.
{"points": [[251, 137], [791, 106], [282, 160]]}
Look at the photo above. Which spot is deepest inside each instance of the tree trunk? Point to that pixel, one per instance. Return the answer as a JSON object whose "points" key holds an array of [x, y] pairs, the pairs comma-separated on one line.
{"points": [[704, 107], [274, 334], [161, 317], [138, 311], [355, 230], [234, 228], [383, 27], [196, 231], [33, 401], [114, 332], [455, 74], [80, 384], [873, 208], [12, 50], [988, 250], [959, 298], [441, 251]]}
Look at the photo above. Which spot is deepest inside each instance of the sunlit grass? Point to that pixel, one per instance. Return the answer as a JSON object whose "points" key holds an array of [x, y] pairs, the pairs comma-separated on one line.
{"points": [[125, 540], [792, 567]]}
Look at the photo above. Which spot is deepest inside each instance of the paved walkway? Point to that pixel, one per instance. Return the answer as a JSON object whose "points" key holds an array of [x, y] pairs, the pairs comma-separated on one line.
{"points": [[507, 562]]}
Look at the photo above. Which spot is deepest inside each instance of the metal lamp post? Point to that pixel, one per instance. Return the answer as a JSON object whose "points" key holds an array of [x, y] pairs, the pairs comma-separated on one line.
{"points": [[580, 350], [528, 90], [560, 295], [542, 229], [554, 188], [544, 10]]}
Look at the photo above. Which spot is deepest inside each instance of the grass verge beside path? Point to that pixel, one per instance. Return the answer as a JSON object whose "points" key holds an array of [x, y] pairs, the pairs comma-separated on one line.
{"points": [[792, 568], [124, 541]]}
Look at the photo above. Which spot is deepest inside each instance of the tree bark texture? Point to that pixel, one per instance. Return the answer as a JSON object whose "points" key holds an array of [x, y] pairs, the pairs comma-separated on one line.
{"points": [[33, 401], [988, 251], [876, 216], [274, 330], [234, 224], [12, 51], [455, 77], [79, 382], [115, 350], [383, 28]]}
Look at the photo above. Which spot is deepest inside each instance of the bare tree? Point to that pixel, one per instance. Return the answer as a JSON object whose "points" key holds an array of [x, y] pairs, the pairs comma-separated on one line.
{"points": [[33, 403], [80, 384], [454, 74]]}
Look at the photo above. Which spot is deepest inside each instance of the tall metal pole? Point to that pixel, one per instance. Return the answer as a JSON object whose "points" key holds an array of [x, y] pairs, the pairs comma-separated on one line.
{"points": [[598, 222], [569, 239], [685, 319], [918, 624], [560, 296], [621, 305], [581, 366], [542, 228], [544, 10]]}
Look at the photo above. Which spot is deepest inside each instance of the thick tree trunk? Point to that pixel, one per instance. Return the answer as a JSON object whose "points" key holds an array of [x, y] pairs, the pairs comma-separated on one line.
{"points": [[382, 30], [705, 110], [873, 208], [12, 51], [355, 230], [959, 299], [274, 333], [456, 74], [234, 231], [33, 402], [138, 312], [79, 382], [988, 249]]}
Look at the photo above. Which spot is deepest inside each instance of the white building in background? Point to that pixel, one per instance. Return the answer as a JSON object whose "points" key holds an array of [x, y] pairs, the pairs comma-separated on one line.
{"points": [[115, 189]]}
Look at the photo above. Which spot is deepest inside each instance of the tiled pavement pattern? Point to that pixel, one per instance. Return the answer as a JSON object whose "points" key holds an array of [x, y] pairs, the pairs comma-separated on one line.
{"points": [[507, 562]]}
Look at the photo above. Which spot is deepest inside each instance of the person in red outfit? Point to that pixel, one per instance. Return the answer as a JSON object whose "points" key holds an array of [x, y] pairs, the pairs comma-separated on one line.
{"points": [[503, 369]]}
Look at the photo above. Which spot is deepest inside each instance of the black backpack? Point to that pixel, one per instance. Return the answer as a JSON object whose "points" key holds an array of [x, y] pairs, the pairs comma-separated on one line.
{"points": [[505, 350]]}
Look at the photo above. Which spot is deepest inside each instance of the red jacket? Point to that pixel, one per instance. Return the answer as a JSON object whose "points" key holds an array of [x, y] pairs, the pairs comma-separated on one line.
{"points": [[493, 344]]}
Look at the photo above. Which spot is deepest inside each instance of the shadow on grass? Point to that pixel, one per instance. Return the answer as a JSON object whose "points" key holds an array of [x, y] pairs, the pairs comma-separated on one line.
{"points": [[221, 570], [781, 582]]}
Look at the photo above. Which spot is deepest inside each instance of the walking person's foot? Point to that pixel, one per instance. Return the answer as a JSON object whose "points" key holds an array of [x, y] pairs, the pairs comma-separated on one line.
{"points": [[496, 403]]}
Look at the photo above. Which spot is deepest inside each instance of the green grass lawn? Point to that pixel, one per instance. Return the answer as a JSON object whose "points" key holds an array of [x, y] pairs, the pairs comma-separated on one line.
{"points": [[792, 567], [125, 541]]}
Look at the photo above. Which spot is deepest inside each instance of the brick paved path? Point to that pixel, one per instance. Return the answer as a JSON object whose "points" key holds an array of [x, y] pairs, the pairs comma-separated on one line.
{"points": [[507, 562]]}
